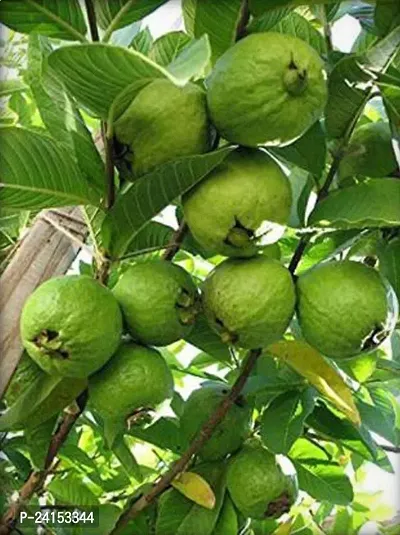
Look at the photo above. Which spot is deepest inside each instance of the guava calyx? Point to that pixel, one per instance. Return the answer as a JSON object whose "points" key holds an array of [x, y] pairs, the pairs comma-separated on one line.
{"points": [[187, 306], [295, 79], [279, 506], [49, 343], [239, 236]]}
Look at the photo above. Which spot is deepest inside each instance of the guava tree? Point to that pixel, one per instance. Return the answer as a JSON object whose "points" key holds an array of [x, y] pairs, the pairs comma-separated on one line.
{"points": [[274, 288]]}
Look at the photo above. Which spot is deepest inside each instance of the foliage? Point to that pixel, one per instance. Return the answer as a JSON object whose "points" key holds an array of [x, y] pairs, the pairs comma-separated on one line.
{"points": [[333, 420]]}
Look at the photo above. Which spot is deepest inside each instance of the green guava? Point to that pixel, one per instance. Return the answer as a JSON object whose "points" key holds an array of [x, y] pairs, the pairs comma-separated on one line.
{"points": [[159, 301], [249, 302], [49, 401], [257, 483], [71, 325], [370, 152], [136, 377], [229, 434], [268, 89], [177, 515], [238, 205], [164, 122], [345, 308]]}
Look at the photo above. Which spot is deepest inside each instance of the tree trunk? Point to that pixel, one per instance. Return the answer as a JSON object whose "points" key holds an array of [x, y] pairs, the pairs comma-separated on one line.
{"points": [[46, 251]]}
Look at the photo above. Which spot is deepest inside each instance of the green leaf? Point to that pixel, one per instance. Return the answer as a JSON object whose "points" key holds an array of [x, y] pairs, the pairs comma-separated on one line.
{"points": [[38, 173], [320, 478], [283, 420], [127, 459], [38, 440], [378, 414], [308, 152], [192, 61], [153, 236], [164, 433], [389, 264], [264, 21], [9, 87], [71, 490], [203, 337], [120, 13], [60, 114], [373, 203], [219, 20], [142, 42], [45, 396], [348, 92], [167, 48], [386, 16], [350, 84], [97, 73], [151, 193], [54, 18], [296, 25]]}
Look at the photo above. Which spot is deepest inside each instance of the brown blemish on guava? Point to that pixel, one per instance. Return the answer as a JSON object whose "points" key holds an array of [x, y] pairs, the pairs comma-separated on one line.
{"points": [[277, 507]]}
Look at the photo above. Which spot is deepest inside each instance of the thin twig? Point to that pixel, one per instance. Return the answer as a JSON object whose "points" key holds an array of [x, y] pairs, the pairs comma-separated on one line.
{"points": [[201, 438], [37, 479], [241, 30], [92, 20], [174, 245], [110, 178]]}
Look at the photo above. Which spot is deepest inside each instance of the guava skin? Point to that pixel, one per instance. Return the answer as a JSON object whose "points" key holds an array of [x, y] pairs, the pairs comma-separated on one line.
{"points": [[71, 326], [370, 152], [159, 301], [159, 109], [268, 89], [135, 377], [237, 203], [249, 303], [229, 435], [257, 485], [345, 308]]}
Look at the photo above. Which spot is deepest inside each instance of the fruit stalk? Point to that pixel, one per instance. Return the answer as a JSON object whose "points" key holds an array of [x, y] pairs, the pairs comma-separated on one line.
{"points": [[204, 434], [176, 242]]}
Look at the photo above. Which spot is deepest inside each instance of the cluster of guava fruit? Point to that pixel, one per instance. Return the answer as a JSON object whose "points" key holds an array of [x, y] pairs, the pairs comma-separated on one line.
{"points": [[267, 90]]}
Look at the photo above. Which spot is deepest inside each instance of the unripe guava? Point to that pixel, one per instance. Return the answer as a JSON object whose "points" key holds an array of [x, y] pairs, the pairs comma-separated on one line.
{"points": [[29, 373], [370, 152], [229, 434], [136, 377], [345, 308], [257, 483], [159, 301], [71, 325], [268, 89], [249, 302], [164, 122], [239, 203]]}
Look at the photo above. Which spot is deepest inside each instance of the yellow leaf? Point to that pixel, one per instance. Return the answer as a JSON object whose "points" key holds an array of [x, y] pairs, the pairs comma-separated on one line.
{"points": [[309, 363], [195, 488], [285, 528]]}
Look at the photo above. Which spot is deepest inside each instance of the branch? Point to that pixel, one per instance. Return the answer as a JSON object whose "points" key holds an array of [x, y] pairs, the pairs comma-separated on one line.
{"points": [[323, 192], [241, 30], [92, 20], [201, 438], [37, 479], [176, 242]]}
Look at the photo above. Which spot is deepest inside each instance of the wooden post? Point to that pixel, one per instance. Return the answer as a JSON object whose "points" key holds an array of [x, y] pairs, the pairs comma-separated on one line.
{"points": [[46, 251]]}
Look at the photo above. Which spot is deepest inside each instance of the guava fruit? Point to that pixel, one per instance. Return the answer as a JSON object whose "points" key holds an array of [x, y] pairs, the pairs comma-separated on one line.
{"points": [[258, 485], [229, 434], [159, 301], [177, 515], [136, 377], [345, 308], [71, 325], [249, 302], [268, 89], [164, 122], [370, 152], [33, 399], [238, 205]]}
